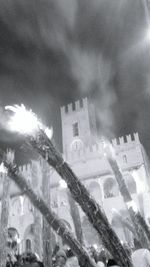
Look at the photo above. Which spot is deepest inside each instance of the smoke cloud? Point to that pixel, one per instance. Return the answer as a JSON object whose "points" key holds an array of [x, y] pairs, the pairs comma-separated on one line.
{"points": [[94, 75], [54, 52]]}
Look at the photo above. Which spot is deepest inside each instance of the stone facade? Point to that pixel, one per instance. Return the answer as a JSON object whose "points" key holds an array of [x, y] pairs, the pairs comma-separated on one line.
{"points": [[84, 152]]}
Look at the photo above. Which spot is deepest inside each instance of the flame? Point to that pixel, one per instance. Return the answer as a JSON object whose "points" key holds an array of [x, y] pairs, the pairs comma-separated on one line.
{"points": [[25, 121]]}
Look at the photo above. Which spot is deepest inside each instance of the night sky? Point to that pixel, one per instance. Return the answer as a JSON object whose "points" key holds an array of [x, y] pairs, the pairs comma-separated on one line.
{"points": [[53, 52]]}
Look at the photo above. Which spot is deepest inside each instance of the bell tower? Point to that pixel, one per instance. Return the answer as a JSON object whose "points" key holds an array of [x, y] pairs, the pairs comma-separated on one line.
{"points": [[78, 125]]}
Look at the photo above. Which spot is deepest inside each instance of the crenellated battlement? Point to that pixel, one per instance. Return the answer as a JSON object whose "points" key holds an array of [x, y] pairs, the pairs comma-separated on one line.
{"points": [[25, 168], [126, 140], [94, 151], [122, 143], [73, 107]]}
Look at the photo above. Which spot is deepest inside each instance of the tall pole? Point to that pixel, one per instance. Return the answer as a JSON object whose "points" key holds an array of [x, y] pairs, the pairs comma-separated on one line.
{"points": [[43, 145], [52, 219], [5, 214], [36, 213], [4, 221], [46, 231], [74, 210], [141, 229]]}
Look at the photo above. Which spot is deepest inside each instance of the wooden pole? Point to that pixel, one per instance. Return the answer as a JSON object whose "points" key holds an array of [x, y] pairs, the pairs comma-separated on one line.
{"points": [[46, 231], [141, 229], [5, 214], [52, 219], [43, 145]]}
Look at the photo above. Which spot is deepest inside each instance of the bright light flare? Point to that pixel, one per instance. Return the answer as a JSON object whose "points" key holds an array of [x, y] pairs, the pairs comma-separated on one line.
{"points": [[23, 121], [62, 184], [3, 168], [95, 246]]}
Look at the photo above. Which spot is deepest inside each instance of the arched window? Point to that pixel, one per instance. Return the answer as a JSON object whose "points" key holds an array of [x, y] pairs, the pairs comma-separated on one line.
{"points": [[95, 190], [28, 245], [75, 128], [110, 188], [16, 206], [12, 238]]}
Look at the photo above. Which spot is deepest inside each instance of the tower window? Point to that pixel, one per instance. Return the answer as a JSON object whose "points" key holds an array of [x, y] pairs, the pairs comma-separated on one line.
{"points": [[81, 103], [75, 129], [28, 244]]}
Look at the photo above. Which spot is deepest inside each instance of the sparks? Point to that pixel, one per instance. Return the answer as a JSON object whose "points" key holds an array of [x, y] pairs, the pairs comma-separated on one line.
{"points": [[25, 121]]}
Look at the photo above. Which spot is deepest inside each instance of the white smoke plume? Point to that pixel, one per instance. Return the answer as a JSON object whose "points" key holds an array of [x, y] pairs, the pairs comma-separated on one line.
{"points": [[94, 75]]}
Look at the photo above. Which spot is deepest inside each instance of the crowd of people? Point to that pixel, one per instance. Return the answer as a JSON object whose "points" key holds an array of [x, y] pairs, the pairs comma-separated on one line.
{"points": [[64, 257]]}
